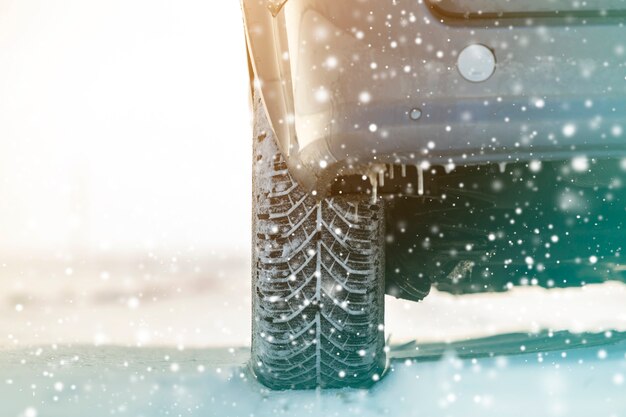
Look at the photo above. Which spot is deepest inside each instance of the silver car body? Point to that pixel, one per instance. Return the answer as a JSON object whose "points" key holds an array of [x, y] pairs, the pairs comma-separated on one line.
{"points": [[351, 83]]}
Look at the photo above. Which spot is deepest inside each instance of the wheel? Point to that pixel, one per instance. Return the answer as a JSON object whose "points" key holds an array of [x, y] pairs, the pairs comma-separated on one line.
{"points": [[317, 280]]}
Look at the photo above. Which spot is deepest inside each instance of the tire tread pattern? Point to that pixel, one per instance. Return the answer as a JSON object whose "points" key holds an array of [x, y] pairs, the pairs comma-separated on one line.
{"points": [[318, 287]]}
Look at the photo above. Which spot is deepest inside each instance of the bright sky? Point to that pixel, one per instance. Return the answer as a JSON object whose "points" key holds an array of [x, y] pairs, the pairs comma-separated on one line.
{"points": [[124, 125]]}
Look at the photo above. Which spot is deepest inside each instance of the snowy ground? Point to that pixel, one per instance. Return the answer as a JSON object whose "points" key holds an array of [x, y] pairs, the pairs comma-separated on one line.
{"points": [[167, 336], [205, 301], [554, 377]]}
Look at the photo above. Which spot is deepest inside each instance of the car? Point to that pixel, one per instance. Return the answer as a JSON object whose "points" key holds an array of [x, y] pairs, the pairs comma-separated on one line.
{"points": [[405, 145]]}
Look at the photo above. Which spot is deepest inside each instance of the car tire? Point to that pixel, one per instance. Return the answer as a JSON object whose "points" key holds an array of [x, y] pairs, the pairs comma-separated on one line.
{"points": [[317, 279]]}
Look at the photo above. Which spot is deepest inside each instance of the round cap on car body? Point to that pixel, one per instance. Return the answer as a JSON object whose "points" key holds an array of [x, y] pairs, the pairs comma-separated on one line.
{"points": [[476, 63]]}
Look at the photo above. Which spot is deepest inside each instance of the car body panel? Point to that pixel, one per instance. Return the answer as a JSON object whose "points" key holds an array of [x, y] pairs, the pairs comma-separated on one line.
{"points": [[340, 79]]}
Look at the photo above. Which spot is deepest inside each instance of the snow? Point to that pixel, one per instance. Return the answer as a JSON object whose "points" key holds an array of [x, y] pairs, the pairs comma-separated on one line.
{"points": [[566, 378], [194, 301], [569, 130]]}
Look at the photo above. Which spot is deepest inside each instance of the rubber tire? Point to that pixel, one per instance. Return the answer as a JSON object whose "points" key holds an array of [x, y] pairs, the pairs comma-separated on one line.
{"points": [[317, 280]]}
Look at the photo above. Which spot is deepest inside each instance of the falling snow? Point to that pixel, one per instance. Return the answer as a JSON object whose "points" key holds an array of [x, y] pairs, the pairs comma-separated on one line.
{"points": [[491, 161]]}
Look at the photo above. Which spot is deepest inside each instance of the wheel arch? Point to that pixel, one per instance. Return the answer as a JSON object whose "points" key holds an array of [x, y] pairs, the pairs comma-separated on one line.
{"points": [[266, 71], [270, 79]]}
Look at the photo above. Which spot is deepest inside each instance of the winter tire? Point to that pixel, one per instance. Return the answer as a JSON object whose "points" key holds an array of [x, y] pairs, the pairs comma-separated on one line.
{"points": [[317, 279]]}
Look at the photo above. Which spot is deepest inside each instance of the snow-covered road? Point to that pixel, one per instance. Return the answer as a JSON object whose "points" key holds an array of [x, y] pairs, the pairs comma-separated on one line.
{"points": [[159, 336], [205, 301], [561, 375]]}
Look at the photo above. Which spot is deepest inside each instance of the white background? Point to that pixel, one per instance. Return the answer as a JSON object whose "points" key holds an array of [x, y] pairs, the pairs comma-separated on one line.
{"points": [[124, 126]]}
